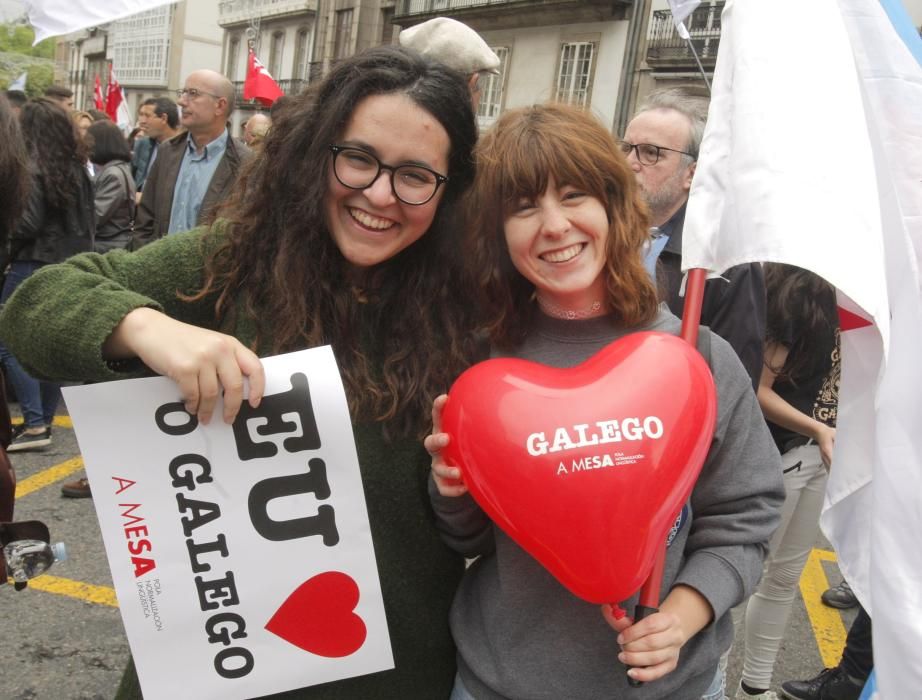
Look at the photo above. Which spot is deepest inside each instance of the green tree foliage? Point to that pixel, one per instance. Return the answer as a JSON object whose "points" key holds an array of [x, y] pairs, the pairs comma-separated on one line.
{"points": [[18, 56], [40, 76], [19, 38]]}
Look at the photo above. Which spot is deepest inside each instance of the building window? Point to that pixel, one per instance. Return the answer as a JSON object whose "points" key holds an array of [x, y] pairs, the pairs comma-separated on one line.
{"points": [[343, 34], [575, 72], [302, 65], [387, 26], [233, 58], [491, 89], [139, 47], [275, 54]]}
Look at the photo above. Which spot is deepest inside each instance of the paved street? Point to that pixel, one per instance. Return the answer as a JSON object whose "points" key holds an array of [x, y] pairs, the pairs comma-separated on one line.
{"points": [[62, 638]]}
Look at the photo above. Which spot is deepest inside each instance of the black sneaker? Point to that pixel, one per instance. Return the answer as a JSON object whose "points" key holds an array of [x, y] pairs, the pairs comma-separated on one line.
{"points": [[23, 440], [840, 596], [830, 684]]}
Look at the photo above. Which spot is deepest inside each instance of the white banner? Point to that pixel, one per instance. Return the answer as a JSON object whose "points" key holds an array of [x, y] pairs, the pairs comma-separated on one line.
{"points": [[56, 17], [241, 555]]}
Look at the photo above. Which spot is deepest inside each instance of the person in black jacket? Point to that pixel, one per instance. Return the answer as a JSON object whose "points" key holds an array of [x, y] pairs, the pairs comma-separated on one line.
{"points": [[113, 187], [58, 221]]}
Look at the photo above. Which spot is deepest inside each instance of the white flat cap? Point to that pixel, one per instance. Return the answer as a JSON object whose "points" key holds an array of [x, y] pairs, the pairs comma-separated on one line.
{"points": [[452, 43]]}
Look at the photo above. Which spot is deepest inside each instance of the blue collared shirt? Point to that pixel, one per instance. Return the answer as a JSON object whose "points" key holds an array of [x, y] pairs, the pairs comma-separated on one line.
{"points": [[195, 175]]}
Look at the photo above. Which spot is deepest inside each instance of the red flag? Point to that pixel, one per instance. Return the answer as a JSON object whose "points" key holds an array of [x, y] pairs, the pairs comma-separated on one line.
{"points": [[259, 85], [113, 96], [849, 321], [98, 96]]}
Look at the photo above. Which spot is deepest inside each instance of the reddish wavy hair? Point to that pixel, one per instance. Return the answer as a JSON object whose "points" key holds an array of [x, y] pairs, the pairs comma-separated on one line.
{"points": [[516, 159]]}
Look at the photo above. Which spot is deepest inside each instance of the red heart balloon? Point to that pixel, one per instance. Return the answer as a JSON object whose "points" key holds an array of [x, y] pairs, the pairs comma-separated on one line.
{"points": [[318, 616], [586, 467]]}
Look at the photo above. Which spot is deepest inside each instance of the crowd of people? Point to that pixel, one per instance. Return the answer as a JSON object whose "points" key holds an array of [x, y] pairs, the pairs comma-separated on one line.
{"points": [[416, 247]]}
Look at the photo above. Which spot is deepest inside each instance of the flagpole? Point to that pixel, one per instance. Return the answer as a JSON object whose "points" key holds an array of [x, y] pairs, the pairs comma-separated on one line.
{"points": [[683, 32], [648, 601]]}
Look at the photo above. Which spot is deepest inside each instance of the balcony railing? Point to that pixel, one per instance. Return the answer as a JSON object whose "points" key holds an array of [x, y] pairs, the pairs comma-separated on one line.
{"points": [[666, 48], [238, 11], [428, 7], [289, 87]]}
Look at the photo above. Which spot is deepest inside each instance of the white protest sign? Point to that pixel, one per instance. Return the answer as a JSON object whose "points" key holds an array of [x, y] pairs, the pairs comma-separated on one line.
{"points": [[241, 555]]}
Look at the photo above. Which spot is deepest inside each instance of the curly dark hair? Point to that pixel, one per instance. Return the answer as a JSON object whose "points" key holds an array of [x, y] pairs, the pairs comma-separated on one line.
{"points": [[804, 301], [14, 174], [517, 158], [401, 330], [54, 149]]}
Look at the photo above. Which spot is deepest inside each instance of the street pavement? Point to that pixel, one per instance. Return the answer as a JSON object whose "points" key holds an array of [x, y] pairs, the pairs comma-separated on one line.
{"points": [[62, 638]]}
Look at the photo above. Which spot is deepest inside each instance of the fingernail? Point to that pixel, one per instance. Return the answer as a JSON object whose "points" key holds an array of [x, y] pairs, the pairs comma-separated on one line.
{"points": [[620, 639], [632, 673], [621, 658]]}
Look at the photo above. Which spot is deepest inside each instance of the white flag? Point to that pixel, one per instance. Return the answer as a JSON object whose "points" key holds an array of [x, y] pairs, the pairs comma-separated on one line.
{"points": [[826, 174], [680, 10], [56, 17], [19, 83], [888, 58]]}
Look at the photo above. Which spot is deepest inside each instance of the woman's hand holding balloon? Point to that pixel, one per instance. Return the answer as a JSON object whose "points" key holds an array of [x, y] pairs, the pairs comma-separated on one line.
{"points": [[651, 646], [200, 361], [447, 478]]}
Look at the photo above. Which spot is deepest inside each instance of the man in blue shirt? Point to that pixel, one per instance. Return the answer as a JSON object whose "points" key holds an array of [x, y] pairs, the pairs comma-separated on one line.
{"points": [[195, 170]]}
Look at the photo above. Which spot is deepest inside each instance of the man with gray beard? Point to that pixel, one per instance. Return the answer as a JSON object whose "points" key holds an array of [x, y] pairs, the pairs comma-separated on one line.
{"points": [[661, 144]]}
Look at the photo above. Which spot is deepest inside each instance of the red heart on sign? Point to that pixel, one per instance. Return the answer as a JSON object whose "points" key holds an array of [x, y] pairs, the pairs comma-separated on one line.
{"points": [[318, 616], [586, 467]]}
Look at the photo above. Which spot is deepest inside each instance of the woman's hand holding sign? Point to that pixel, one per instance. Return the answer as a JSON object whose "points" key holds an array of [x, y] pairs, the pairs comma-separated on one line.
{"points": [[447, 478], [200, 361]]}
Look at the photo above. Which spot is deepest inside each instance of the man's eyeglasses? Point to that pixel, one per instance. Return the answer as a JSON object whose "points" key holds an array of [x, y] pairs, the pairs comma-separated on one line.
{"points": [[358, 170], [193, 93], [647, 153]]}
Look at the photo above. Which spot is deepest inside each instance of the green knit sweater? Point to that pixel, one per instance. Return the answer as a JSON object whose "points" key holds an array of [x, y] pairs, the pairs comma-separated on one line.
{"points": [[56, 324]]}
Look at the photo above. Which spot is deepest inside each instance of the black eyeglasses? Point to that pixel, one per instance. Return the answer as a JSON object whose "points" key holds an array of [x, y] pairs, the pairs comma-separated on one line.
{"points": [[647, 153], [192, 93], [358, 170]]}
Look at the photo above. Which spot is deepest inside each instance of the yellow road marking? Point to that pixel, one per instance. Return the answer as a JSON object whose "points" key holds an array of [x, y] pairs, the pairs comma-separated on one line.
{"points": [[48, 476], [58, 422], [828, 628], [100, 595], [826, 622]]}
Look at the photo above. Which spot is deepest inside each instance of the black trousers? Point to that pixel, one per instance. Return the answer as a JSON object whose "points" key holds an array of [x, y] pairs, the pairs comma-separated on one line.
{"points": [[858, 657]]}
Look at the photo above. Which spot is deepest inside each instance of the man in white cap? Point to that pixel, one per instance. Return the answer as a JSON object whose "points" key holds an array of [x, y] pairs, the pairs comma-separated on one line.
{"points": [[457, 46]]}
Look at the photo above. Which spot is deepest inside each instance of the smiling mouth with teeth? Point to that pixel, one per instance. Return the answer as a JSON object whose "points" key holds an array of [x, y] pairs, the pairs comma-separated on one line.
{"points": [[564, 255], [369, 221]]}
